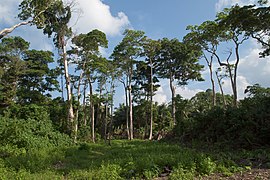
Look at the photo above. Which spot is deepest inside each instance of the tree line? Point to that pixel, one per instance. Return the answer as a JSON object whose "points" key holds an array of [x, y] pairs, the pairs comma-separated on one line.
{"points": [[137, 63]]}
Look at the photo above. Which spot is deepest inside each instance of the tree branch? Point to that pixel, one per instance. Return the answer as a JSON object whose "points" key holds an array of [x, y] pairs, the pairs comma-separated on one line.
{"points": [[6, 31]]}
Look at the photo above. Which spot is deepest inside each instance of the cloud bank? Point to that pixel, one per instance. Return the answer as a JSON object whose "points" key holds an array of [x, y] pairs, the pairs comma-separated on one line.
{"points": [[97, 15], [221, 4]]}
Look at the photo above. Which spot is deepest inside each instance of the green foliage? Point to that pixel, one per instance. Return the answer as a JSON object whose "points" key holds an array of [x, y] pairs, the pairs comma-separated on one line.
{"points": [[250, 20], [182, 173], [11, 50], [123, 160], [29, 127], [244, 126], [178, 62]]}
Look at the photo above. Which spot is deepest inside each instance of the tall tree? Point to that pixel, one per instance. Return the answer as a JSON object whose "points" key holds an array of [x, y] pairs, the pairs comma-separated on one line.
{"points": [[11, 67], [37, 79], [125, 54], [57, 24], [207, 37], [237, 37], [151, 48], [177, 62], [90, 62]]}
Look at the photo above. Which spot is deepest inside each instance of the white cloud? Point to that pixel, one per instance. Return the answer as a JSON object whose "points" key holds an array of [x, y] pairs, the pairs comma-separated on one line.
{"points": [[221, 4], [163, 95], [242, 84], [255, 69], [97, 15], [160, 96], [186, 92]]}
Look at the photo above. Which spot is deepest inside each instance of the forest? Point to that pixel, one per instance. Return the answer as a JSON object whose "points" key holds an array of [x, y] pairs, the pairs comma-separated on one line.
{"points": [[61, 121]]}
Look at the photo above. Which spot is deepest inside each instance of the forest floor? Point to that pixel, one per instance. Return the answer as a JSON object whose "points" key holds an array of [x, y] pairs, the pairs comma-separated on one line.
{"points": [[253, 174], [135, 159]]}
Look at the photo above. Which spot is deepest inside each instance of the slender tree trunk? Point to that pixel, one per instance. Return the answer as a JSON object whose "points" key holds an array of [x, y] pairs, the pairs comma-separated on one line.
{"points": [[151, 100], [228, 66], [126, 107], [130, 103], [127, 114], [62, 86], [84, 105], [209, 64], [130, 112], [172, 87], [105, 124], [77, 110], [235, 73], [68, 84], [111, 122], [99, 111], [92, 110], [213, 86], [232, 84], [221, 90]]}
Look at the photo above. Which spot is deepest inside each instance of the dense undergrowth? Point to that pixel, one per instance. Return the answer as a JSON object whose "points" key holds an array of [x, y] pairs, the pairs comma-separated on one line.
{"points": [[246, 126]]}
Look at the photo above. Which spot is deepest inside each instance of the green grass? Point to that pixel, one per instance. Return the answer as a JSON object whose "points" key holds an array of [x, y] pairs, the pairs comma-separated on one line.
{"points": [[123, 160]]}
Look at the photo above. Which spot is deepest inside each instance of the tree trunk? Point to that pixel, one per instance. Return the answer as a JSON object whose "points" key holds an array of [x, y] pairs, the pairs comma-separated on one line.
{"points": [[213, 86], [221, 90], [111, 122], [84, 105], [209, 64], [68, 85], [130, 112], [105, 123], [127, 114], [235, 73], [92, 110], [172, 87], [77, 110], [126, 108], [151, 100]]}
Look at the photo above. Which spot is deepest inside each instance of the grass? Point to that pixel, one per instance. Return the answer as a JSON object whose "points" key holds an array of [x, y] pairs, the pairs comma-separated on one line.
{"points": [[123, 160]]}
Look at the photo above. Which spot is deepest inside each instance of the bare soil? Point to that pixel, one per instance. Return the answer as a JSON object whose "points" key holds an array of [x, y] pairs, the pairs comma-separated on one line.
{"points": [[253, 174]]}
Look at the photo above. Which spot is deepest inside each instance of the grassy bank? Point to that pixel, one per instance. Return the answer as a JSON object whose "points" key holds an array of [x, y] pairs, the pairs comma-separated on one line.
{"points": [[124, 160]]}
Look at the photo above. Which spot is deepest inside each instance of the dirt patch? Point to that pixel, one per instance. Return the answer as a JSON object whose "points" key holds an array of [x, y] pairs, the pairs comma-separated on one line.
{"points": [[254, 174]]}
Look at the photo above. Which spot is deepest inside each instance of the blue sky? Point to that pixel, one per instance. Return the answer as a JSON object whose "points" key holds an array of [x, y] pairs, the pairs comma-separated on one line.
{"points": [[159, 19]]}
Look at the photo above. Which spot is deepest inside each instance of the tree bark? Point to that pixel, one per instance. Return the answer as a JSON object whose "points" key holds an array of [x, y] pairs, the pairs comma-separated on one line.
{"points": [[151, 100], [235, 73], [6, 31], [221, 90], [172, 87], [130, 112], [209, 64], [77, 110], [111, 122], [68, 84], [84, 105], [92, 110]]}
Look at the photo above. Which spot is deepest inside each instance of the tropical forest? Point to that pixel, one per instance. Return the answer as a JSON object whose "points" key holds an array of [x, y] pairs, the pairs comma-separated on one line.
{"points": [[59, 111]]}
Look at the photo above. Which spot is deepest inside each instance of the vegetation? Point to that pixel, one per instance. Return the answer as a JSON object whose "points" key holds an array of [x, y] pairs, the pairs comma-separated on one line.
{"points": [[122, 160], [82, 135]]}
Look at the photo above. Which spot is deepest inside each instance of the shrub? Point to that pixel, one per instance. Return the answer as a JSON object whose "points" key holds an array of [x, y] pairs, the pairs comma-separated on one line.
{"points": [[30, 134]]}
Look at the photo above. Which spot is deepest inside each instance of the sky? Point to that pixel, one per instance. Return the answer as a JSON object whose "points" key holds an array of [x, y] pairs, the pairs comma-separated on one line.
{"points": [[158, 19]]}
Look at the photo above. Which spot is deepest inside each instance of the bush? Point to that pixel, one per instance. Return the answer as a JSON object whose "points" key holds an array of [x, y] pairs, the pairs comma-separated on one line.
{"points": [[246, 126], [30, 133]]}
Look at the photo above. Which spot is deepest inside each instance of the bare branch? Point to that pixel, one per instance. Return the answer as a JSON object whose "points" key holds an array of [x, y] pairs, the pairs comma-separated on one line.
{"points": [[6, 31]]}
